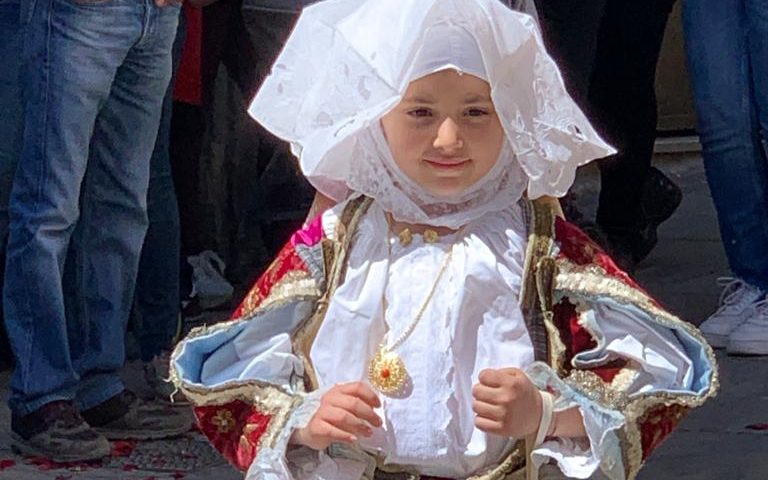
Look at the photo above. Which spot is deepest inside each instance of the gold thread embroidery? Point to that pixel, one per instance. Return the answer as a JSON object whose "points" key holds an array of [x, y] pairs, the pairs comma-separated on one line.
{"points": [[511, 468], [305, 334], [597, 390], [223, 421], [592, 281], [540, 243], [431, 236], [268, 399], [294, 284], [405, 237]]}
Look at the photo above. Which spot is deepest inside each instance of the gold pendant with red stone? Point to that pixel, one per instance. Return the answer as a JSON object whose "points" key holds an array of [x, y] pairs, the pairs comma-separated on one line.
{"points": [[386, 372]]}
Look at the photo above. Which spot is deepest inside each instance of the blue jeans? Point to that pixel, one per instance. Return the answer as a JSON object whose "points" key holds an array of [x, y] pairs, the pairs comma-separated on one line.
{"points": [[10, 104], [94, 75], [157, 285], [727, 47]]}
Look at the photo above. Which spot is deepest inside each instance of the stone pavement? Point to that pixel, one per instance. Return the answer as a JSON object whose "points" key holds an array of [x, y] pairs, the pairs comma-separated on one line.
{"points": [[726, 439]]}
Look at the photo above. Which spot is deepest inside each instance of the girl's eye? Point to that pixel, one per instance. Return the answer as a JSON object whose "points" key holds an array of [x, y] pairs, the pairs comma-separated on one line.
{"points": [[420, 113], [476, 112]]}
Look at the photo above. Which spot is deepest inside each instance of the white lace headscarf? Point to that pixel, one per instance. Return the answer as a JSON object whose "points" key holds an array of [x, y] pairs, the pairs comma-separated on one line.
{"points": [[349, 62]]}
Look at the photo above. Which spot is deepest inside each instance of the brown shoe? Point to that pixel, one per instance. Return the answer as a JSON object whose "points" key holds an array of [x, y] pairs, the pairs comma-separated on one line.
{"points": [[127, 417], [58, 432]]}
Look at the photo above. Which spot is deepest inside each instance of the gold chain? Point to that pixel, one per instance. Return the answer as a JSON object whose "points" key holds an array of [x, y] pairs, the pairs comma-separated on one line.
{"points": [[408, 331]]}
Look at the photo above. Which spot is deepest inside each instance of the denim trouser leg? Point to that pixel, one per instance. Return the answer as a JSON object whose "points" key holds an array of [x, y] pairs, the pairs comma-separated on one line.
{"points": [[728, 70], [157, 284], [10, 104], [94, 76]]}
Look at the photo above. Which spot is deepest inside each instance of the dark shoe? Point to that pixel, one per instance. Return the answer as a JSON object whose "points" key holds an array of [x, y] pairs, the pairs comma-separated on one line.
{"points": [[617, 247], [58, 432], [127, 417], [661, 197]]}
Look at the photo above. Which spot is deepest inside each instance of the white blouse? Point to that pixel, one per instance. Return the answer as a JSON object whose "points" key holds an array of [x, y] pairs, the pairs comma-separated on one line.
{"points": [[472, 322]]}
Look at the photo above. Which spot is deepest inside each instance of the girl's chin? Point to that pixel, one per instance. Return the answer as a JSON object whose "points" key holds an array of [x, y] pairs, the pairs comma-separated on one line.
{"points": [[446, 192]]}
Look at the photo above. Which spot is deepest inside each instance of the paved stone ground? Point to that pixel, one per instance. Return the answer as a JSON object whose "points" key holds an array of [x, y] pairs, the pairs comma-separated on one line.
{"points": [[713, 443]]}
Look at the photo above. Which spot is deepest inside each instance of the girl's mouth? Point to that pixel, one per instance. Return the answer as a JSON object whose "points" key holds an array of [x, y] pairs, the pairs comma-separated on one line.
{"points": [[447, 162]]}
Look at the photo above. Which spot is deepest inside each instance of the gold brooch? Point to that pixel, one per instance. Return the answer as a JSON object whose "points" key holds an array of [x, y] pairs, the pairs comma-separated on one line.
{"points": [[406, 237], [431, 236]]}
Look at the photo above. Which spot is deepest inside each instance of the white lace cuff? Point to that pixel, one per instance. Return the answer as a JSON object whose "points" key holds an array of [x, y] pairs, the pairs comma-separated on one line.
{"points": [[580, 458]]}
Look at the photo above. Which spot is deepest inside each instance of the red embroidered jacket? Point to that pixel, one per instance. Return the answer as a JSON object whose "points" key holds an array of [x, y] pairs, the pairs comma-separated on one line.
{"points": [[563, 269]]}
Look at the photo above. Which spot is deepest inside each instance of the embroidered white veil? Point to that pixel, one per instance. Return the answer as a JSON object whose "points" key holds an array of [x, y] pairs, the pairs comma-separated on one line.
{"points": [[348, 62]]}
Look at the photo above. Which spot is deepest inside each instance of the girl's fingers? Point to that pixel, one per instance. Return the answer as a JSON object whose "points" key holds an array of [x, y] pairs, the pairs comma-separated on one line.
{"points": [[490, 378], [344, 420], [484, 393], [335, 434], [488, 426], [487, 410], [363, 392], [358, 408]]}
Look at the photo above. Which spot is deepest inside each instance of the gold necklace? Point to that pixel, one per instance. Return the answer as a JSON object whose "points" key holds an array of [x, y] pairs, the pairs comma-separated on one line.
{"points": [[386, 370]]}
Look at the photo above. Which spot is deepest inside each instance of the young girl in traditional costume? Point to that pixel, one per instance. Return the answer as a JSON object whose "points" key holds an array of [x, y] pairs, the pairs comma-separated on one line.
{"points": [[442, 321]]}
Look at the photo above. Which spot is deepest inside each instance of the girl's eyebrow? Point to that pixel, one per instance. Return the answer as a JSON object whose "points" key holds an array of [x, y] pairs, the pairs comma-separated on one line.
{"points": [[420, 99], [477, 99]]}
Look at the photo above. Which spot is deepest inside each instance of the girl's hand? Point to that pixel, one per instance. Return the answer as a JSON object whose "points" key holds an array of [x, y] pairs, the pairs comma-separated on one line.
{"points": [[345, 413], [506, 403]]}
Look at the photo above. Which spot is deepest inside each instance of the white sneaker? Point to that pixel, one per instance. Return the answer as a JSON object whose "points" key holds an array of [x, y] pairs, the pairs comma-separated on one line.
{"points": [[751, 337], [736, 302]]}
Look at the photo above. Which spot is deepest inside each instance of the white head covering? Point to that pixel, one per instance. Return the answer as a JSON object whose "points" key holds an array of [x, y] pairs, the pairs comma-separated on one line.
{"points": [[348, 62]]}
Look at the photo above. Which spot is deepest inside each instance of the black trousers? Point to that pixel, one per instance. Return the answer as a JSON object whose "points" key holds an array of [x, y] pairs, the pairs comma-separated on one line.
{"points": [[608, 51], [622, 103]]}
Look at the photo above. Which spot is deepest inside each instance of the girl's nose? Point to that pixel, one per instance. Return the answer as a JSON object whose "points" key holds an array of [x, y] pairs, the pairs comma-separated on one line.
{"points": [[448, 137]]}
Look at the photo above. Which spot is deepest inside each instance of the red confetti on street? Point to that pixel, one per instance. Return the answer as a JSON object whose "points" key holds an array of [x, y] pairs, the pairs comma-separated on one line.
{"points": [[123, 448], [758, 426]]}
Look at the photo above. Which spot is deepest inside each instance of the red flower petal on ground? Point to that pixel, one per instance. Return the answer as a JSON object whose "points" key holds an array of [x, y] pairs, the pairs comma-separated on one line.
{"points": [[178, 475], [123, 448], [63, 477], [129, 467], [6, 464], [46, 464], [757, 426]]}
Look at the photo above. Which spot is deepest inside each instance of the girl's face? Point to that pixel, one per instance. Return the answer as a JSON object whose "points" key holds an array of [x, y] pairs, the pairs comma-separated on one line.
{"points": [[445, 134]]}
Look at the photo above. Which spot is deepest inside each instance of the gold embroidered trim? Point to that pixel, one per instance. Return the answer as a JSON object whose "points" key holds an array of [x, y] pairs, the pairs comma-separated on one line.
{"points": [[511, 468], [634, 409], [539, 275], [541, 234], [223, 421], [513, 463], [625, 378], [337, 250], [592, 281], [597, 390], [266, 398], [296, 283]]}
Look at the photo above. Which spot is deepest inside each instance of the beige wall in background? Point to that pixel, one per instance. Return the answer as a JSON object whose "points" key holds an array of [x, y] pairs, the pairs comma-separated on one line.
{"points": [[673, 89]]}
